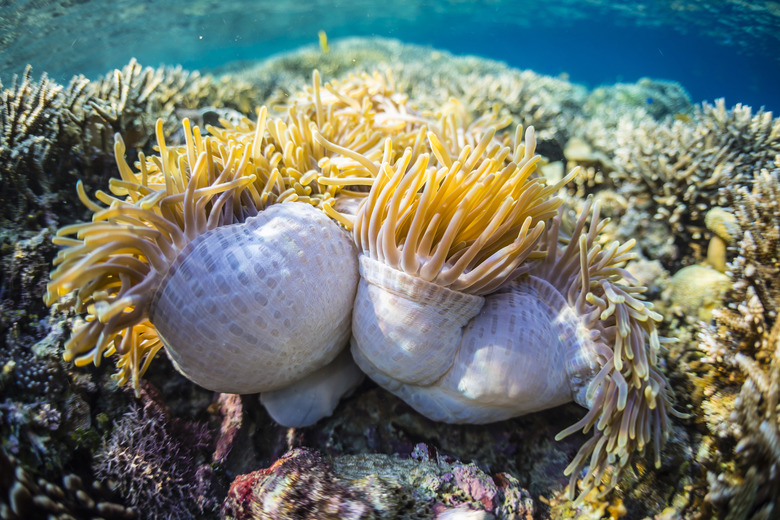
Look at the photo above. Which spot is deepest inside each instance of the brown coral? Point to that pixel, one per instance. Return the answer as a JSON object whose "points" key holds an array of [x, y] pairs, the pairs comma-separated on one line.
{"points": [[742, 347], [28, 129], [680, 165]]}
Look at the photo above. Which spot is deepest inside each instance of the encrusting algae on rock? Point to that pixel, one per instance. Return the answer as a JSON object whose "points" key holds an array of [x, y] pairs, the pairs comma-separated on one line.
{"points": [[444, 207], [306, 484]]}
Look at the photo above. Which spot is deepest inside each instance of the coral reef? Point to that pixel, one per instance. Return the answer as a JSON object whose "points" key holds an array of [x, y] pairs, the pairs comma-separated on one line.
{"points": [[432, 78], [28, 131], [23, 497], [659, 99], [304, 484], [129, 100], [59, 421], [735, 375], [463, 236], [676, 168], [603, 113], [155, 464], [49, 132]]}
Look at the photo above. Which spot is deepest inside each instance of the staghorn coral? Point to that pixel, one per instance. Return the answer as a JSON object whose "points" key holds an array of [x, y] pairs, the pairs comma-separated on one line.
{"points": [[129, 100], [750, 489], [676, 168], [49, 132], [604, 112], [742, 360], [28, 130], [755, 295], [548, 104]]}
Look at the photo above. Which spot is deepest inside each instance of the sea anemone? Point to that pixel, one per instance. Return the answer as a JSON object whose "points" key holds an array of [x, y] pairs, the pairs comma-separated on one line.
{"points": [[209, 229], [472, 310], [462, 289]]}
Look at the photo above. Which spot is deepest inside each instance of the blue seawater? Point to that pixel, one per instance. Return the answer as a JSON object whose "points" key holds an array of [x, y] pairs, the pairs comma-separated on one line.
{"points": [[718, 49]]}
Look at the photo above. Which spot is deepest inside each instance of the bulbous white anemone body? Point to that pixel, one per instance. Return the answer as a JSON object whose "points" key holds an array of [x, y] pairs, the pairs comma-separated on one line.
{"points": [[513, 352], [266, 302], [477, 304], [436, 320], [207, 253]]}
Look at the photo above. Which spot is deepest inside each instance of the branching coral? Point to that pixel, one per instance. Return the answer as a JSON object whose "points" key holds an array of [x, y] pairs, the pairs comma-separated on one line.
{"points": [[742, 348], [39, 121], [28, 128], [679, 166], [659, 99], [129, 101], [750, 490]]}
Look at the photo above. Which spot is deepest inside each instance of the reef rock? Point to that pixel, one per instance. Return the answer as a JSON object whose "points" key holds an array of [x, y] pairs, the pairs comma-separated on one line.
{"points": [[304, 484]]}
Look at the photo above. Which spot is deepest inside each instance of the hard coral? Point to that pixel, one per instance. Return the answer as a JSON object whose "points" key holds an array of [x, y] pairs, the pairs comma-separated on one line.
{"points": [[129, 100], [742, 348], [680, 165], [28, 130]]}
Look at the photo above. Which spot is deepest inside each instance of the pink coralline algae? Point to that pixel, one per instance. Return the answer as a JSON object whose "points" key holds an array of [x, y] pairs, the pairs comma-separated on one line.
{"points": [[298, 485], [305, 485]]}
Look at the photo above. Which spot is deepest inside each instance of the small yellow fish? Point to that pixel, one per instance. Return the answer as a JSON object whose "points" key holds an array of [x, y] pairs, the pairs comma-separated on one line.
{"points": [[323, 42], [685, 118]]}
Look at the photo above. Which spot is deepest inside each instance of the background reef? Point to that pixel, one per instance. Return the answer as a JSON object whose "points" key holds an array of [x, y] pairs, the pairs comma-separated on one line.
{"points": [[719, 49], [695, 184]]}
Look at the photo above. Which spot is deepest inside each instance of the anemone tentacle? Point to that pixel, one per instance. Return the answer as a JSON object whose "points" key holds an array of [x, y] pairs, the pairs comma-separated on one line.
{"points": [[115, 262], [628, 397]]}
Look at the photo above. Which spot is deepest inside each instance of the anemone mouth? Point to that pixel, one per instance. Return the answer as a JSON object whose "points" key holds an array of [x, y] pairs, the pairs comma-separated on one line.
{"points": [[468, 223], [628, 396]]}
